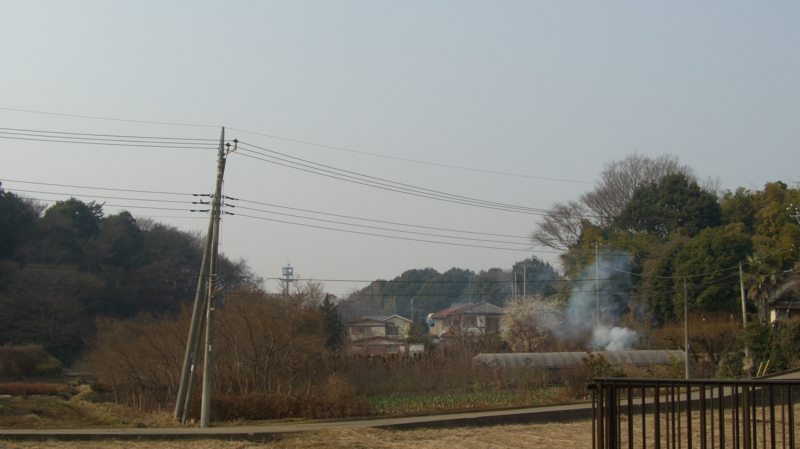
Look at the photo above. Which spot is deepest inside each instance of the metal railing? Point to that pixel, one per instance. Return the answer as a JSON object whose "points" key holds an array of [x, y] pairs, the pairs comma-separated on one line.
{"points": [[678, 414]]}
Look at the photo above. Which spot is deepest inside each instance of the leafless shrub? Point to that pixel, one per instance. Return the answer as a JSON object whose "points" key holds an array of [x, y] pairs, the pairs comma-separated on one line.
{"points": [[20, 361]]}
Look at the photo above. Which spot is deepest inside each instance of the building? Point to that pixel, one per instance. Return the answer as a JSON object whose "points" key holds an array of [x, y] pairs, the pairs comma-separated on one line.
{"points": [[466, 320], [785, 301], [379, 335]]}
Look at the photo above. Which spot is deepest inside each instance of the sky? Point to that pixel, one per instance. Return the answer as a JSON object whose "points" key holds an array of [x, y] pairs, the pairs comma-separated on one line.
{"points": [[519, 103]]}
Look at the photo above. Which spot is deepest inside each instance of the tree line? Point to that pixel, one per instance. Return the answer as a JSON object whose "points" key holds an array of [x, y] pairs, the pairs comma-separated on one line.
{"points": [[63, 266]]}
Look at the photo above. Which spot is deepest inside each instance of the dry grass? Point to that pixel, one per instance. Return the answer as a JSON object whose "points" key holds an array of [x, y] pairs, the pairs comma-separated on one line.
{"points": [[560, 435], [40, 412]]}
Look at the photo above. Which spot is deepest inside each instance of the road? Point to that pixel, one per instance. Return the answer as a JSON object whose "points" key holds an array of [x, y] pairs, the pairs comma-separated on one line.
{"points": [[548, 413]]}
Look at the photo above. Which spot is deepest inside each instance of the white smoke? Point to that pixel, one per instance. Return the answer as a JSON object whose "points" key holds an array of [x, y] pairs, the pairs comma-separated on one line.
{"points": [[614, 338], [581, 310]]}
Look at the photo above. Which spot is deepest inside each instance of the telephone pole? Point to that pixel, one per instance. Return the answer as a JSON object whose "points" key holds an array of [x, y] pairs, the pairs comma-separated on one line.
{"points": [[597, 278], [686, 325], [204, 296], [744, 307]]}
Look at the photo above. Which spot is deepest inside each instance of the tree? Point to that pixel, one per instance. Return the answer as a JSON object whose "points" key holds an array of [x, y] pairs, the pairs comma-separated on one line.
{"points": [[708, 262], [531, 324], [673, 203], [17, 223], [332, 324], [48, 306], [490, 286], [561, 226], [535, 277], [620, 180]]}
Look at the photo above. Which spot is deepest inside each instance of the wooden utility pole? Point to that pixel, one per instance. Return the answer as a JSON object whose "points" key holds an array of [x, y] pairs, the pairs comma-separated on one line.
{"points": [[686, 325], [205, 297], [744, 307]]}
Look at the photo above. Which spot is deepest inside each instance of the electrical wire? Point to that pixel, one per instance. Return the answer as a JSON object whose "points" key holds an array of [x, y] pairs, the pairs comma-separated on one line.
{"points": [[108, 118], [412, 160], [380, 221], [385, 229], [100, 188], [389, 236], [98, 196], [384, 186]]}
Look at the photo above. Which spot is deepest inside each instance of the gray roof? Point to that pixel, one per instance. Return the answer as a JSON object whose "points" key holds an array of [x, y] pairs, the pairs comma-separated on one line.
{"points": [[482, 308], [555, 360]]}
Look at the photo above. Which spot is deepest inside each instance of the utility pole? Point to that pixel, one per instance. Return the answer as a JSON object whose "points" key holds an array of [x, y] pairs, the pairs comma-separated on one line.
{"points": [[204, 297], [524, 282], [744, 307], [515, 285], [190, 358], [211, 292], [597, 279], [686, 325], [288, 274]]}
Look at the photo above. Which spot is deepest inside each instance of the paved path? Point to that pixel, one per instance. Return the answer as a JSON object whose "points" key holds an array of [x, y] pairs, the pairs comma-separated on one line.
{"points": [[549, 413]]}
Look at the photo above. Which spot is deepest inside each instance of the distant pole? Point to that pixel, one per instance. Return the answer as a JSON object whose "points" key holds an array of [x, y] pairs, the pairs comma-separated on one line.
{"points": [[597, 279], [515, 286], [686, 324], [744, 307], [524, 282], [211, 292]]}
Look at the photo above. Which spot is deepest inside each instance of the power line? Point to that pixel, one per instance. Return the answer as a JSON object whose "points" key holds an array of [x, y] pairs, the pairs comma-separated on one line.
{"points": [[384, 229], [381, 221], [132, 144], [389, 236], [412, 160], [99, 196], [100, 188], [380, 181], [122, 137], [108, 119], [398, 187]]}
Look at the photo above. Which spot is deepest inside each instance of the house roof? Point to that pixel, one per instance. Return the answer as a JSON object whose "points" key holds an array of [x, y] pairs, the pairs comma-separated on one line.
{"points": [[366, 322], [378, 340], [398, 317], [375, 317], [785, 292], [450, 310], [480, 308]]}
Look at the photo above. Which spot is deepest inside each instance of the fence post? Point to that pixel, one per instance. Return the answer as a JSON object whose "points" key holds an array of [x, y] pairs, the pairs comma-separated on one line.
{"points": [[613, 417]]}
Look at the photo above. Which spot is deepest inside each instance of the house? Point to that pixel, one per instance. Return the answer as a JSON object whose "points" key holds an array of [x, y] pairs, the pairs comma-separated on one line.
{"points": [[466, 319], [784, 301], [379, 335]]}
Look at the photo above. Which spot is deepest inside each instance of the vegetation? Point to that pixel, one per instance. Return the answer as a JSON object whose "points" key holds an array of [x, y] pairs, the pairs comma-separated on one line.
{"points": [[113, 292]]}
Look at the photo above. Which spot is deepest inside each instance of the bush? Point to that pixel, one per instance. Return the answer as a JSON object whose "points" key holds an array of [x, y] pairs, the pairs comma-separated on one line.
{"points": [[18, 362], [30, 388], [253, 406], [333, 399], [49, 368]]}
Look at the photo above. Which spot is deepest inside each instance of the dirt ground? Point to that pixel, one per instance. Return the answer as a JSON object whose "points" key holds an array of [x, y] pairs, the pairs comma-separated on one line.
{"points": [[553, 435]]}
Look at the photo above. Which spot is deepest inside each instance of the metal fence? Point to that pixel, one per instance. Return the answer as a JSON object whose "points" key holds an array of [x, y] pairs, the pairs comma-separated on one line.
{"points": [[678, 414]]}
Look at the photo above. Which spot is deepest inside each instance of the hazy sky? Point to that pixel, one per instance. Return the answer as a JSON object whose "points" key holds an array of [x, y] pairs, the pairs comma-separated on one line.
{"points": [[542, 93]]}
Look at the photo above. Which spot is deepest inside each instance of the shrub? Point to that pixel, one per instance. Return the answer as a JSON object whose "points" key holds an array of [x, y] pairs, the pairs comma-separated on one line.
{"points": [[333, 399], [49, 367], [30, 388], [17, 362]]}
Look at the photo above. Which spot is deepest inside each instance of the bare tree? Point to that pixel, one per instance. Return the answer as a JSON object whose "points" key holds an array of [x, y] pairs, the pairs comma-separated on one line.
{"points": [[620, 179], [561, 226]]}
